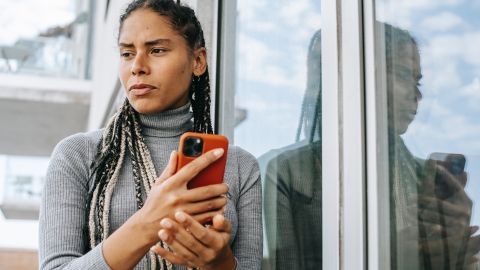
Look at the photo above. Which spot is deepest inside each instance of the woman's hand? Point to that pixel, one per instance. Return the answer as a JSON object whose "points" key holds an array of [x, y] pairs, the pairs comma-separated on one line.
{"points": [[444, 221], [169, 194], [194, 245]]}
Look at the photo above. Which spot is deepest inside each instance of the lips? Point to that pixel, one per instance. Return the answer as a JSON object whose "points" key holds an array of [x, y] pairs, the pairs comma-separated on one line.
{"points": [[141, 89]]}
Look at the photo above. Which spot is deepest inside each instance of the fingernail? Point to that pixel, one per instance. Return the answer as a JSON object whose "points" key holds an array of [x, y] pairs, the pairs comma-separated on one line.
{"points": [[166, 224], [163, 235], [180, 216], [218, 152]]}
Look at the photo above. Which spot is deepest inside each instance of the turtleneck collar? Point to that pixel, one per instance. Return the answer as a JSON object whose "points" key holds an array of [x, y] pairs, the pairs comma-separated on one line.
{"points": [[170, 123]]}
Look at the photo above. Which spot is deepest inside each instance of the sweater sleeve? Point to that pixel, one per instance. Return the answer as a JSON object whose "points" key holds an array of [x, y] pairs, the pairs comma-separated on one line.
{"points": [[247, 247], [62, 223]]}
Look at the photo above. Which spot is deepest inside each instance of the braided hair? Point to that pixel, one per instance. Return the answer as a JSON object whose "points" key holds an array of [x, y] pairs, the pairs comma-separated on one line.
{"points": [[311, 113], [123, 132]]}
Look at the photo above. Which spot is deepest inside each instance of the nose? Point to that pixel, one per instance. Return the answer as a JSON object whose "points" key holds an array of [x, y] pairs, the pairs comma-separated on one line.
{"points": [[418, 94], [140, 65]]}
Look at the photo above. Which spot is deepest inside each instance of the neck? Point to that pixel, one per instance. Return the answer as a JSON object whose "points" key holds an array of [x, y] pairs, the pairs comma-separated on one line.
{"points": [[169, 123]]}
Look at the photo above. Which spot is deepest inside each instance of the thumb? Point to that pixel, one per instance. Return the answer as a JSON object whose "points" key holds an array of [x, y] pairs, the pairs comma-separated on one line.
{"points": [[169, 170], [221, 224]]}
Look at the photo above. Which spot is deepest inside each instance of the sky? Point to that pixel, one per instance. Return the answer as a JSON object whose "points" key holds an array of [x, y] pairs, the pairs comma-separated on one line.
{"points": [[272, 44]]}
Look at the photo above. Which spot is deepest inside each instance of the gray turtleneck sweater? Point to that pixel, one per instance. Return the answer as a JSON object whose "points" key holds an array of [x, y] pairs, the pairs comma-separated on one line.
{"points": [[63, 209]]}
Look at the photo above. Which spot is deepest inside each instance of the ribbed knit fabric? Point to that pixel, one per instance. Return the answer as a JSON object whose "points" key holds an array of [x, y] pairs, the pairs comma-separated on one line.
{"points": [[63, 208]]}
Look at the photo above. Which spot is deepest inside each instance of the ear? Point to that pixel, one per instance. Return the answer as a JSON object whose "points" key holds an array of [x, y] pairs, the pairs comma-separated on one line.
{"points": [[199, 61]]}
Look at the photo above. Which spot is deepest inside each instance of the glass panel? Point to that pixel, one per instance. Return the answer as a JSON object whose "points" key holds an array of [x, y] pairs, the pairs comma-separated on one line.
{"points": [[429, 69], [278, 119], [45, 39]]}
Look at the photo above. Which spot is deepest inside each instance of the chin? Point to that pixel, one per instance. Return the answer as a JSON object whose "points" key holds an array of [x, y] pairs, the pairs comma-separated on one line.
{"points": [[146, 107]]}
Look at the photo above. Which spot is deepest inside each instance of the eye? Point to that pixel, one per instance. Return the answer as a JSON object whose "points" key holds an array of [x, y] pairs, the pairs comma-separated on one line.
{"points": [[126, 55], [158, 50]]}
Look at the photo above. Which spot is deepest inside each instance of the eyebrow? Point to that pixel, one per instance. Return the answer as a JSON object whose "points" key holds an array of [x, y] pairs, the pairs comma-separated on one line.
{"points": [[148, 43]]}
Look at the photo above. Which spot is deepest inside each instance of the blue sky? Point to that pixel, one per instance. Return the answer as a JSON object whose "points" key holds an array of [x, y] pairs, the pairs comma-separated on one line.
{"points": [[272, 44]]}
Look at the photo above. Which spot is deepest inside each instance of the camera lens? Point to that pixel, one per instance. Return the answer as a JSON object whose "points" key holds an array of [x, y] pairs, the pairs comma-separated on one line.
{"points": [[193, 147]]}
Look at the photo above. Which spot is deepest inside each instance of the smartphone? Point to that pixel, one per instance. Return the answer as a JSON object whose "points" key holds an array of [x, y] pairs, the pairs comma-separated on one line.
{"points": [[455, 164], [193, 145]]}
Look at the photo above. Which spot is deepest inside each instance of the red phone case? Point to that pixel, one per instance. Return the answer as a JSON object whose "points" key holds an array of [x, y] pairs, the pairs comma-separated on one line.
{"points": [[214, 173]]}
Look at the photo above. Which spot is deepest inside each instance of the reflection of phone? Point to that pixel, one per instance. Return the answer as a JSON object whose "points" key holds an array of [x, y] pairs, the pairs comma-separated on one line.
{"points": [[455, 164], [191, 146]]}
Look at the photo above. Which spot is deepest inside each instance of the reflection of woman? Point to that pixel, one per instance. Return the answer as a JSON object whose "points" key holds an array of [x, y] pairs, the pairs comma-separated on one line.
{"points": [[110, 214], [421, 239], [293, 216], [293, 179]]}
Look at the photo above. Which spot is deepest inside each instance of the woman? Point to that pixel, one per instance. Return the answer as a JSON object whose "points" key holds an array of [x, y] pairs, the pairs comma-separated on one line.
{"points": [[103, 205]]}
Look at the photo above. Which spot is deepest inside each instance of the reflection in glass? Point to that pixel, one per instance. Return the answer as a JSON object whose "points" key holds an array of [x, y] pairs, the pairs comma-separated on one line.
{"points": [[47, 45], [293, 187], [430, 208], [277, 119], [21, 182]]}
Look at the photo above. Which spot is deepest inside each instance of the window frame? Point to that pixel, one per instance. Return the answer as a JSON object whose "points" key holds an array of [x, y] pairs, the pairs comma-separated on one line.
{"points": [[347, 84]]}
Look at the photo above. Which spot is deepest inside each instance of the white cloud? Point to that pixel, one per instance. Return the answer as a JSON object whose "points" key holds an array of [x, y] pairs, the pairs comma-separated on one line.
{"points": [[265, 64], [442, 22], [248, 9], [443, 59], [292, 12], [471, 93], [403, 13], [440, 77]]}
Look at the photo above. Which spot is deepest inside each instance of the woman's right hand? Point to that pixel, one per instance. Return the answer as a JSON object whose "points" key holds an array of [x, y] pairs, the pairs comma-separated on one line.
{"points": [[169, 194]]}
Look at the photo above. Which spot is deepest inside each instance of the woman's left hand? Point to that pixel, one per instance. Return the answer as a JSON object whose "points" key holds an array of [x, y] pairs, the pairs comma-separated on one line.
{"points": [[194, 245]]}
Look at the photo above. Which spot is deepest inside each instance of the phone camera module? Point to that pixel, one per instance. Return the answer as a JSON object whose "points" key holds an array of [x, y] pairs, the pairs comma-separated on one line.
{"points": [[193, 147]]}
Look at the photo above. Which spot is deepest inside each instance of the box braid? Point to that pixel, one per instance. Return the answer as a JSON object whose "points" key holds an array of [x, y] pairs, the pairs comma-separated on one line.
{"points": [[311, 113], [123, 133]]}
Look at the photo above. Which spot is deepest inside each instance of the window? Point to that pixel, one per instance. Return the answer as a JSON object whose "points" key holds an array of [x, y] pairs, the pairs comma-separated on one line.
{"points": [[45, 39], [277, 118], [429, 66]]}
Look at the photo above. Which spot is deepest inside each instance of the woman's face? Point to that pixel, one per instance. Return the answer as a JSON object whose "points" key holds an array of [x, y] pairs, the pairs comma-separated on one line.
{"points": [[405, 79], [156, 64]]}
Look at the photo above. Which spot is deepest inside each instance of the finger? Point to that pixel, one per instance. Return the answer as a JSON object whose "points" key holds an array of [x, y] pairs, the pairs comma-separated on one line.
{"points": [[451, 182], [206, 192], [185, 237], [202, 234], [428, 231], [473, 245], [428, 185], [448, 208], [169, 170], [471, 260], [170, 256], [190, 170], [473, 230], [442, 219], [205, 206], [181, 251], [207, 217], [221, 224]]}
